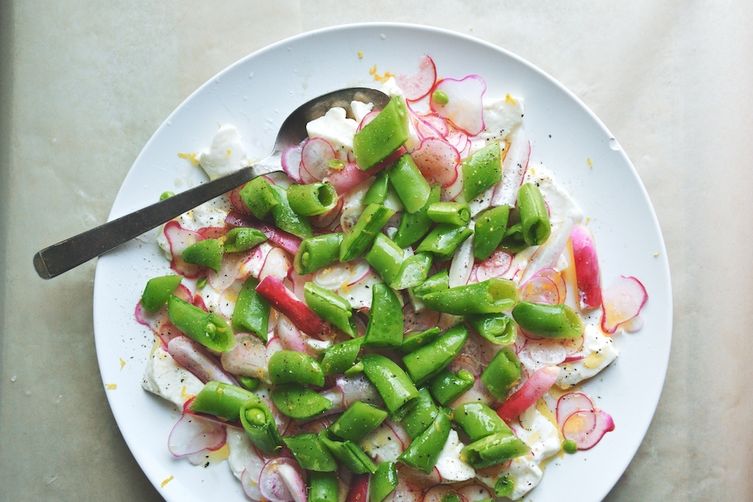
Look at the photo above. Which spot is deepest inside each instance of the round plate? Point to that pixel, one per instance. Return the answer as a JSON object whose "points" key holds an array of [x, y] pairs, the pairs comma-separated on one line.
{"points": [[255, 94]]}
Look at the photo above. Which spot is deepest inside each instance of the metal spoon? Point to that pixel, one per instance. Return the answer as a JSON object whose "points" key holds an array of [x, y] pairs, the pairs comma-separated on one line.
{"points": [[72, 252]]}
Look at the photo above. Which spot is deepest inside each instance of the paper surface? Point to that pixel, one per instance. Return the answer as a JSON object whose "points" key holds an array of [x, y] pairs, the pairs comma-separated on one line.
{"points": [[86, 83]]}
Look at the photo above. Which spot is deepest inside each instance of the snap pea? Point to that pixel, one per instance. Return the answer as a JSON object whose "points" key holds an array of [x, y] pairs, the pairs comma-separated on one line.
{"points": [[482, 170], [493, 449], [207, 328], [251, 312], [247, 382], [501, 373], [260, 427], [421, 414], [385, 257], [348, 453], [489, 231], [383, 135], [448, 386], [296, 401], [413, 226], [393, 385], [310, 453], [242, 239], [341, 357], [383, 481], [500, 329], [425, 448], [357, 421], [166, 195], [534, 217], [363, 233], [221, 400], [444, 240], [259, 197], [427, 361], [409, 184], [206, 253], [323, 487], [513, 240], [479, 421], [437, 282], [355, 369], [504, 487], [312, 199], [548, 321], [412, 341], [288, 220], [287, 366], [158, 290], [331, 307], [451, 213], [377, 192], [385, 328], [487, 297], [317, 252], [413, 271]]}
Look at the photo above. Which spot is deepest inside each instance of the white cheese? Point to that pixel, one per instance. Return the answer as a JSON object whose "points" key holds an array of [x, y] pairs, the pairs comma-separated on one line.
{"points": [[525, 474], [226, 154], [599, 351], [539, 434], [449, 465], [501, 117], [360, 110], [166, 379], [334, 127]]}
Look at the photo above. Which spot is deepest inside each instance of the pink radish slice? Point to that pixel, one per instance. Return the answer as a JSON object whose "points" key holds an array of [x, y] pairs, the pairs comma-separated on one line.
{"points": [[229, 271], [430, 125], [283, 300], [571, 402], [464, 107], [342, 274], [316, 155], [198, 301], [586, 268], [276, 264], [514, 168], [357, 388], [474, 493], [248, 357], [540, 289], [419, 84], [623, 301], [253, 261], [494, 266], [399, 433], [192, 434], [329, 219], [462, 264], [367, 119], [437, 160], [531, 391], [587, 427], [237, 203], [459, 140], [438, 493], [347, 178], [419, 321], [211, 232], [539, 353], [250, 485], [286, 241], [178, 239], [192, 357], [236, 218], [281, 480], [291, 338], [291, 163]]}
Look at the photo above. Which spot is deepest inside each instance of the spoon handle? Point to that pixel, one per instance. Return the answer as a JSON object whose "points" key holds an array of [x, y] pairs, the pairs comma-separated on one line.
{"points": [[72, 252]]}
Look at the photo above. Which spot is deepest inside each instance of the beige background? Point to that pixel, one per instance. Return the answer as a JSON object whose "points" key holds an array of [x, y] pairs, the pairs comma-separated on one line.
{"points": [[85, 83]]}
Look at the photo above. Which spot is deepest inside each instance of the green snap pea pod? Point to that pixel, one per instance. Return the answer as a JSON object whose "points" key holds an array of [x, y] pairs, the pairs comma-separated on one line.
{"points": [[348, 453], [243, 239], [413, 271], [383, 481], [313, 199], [363, 233], [331, 307], [207, 328], [549, 321], [323, 487], [488, 297], [158, 290], [479, 421], [513, 240], [296, 401], [425, 448], [288, 220], [385, 257], [444, 240], [393, 385], [221, 400], [357, 421], [385, 328], [310, 453], [410, 185], [490, 229], [451, 213], [421, 414], [437, 282], [427, 361], [206, 253], [504, 487], [317, 252], [412, 341], [247, 382], [259, 423], [502, 373], [377, 192], [493, 449], [534, 217], [259, 197], [251, 312], [287, 366], [500, 329], [448, 386], [383, 135], [355, 369], [166, 195], [454, 497], [482, 170], [342, 356], [413, 226]]}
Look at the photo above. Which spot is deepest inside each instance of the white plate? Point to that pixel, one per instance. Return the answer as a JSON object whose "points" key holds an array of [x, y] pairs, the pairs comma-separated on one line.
{"points": [[255, 94]]}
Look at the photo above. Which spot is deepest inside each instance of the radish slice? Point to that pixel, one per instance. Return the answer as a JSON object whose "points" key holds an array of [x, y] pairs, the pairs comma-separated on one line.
{"points": [[367, 119], [438, 493], [291, 338], [548, 254], [248, 357], [178, 239], [475, 493], [494, 266], [430, 126], [464, 107], [316, 155], [513, 169], [286, 302], [587, 427], [237, 218], [571, 402], [281, 480], [188, 354], [460, 141], [400, 433], [541, 288], [531, 391], [359, 489], [349, 177], [341, 274], [230, 269], [237, 203], [419, 320], [462, 264], [192, 434], [437, 160], [586, 268], [357, 388], [328, 220], [250, 485], [212, 232], [623, 301], [540, 353], [286, 241], [419, 84], [277, 264], [291, 162]]}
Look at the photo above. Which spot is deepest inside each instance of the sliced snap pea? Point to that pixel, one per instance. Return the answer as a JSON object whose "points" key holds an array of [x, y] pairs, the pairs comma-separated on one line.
{"points": [[383, 135], [501, 373], [251, 312], [548, 321], [310, 453], [287, 366], [158, 290], [205, 253], [296, 401], [534, 217]]}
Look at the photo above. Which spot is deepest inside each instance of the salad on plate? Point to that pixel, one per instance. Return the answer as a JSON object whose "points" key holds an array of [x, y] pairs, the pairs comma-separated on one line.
{"points": [[407, 313]]}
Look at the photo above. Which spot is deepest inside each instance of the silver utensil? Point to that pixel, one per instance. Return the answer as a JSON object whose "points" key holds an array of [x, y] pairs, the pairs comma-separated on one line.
{"points": [[72, 252]]}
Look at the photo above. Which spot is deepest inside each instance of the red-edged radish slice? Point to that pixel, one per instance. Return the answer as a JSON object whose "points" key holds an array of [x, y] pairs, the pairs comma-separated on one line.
{"points": [[250, 485], [192, 434], [236, 218], [253, 261], [438, 493], [178, 239], [291, 163], [494, 266], [587, 427], [341, 274], [281, 480], [409, 486], [586, 268], [430, 125], [237, 203], [419, 321], [291, 338], [419, 84], [462, 264], [540, 353], [286, 302], [367, 119], [475, 493], [571, 402], [460, 141], [328, 220], [349, 177], [230, 269], [212, 232], [192, 357], [286, 241], [464, 107], [357, 388], [399, 432], [623, 301], [359, 489], [514, 168], [531, 391], [276, 264], [437, 160], [248, 357], [316, 156], [540, 289]]}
